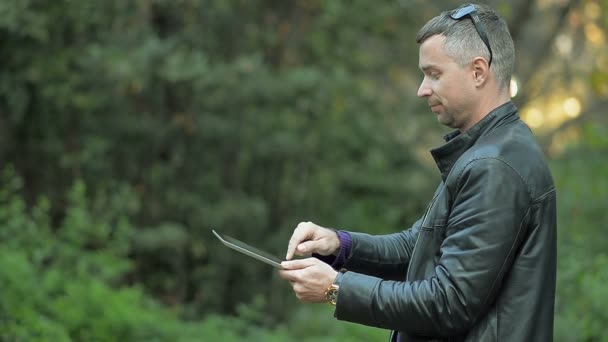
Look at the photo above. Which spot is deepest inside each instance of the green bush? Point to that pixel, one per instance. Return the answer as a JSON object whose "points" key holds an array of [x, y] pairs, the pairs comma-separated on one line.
{"points": [[67, 282], [64, 283]]}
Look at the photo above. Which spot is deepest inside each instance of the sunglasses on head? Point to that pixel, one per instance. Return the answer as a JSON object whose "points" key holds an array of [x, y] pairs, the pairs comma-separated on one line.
{"points": [[470, 11]]}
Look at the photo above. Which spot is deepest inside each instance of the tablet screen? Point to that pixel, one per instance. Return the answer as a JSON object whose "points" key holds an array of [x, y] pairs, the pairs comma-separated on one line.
{"points": [[249, 250]]}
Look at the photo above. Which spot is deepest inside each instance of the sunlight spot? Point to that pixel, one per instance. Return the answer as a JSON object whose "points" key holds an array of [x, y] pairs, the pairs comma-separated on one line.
{"points": [[594, 34], [572, 107], [534, 117], [514, 88], [563, 44]]}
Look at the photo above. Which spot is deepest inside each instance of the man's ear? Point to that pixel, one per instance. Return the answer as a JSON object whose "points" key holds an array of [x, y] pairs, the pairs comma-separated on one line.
{"points": [[481, 71]]}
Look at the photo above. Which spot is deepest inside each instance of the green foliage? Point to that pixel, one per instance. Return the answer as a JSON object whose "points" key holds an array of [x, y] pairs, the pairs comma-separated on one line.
{"points": [[237, 116], [580, 176], [315, 323], [57, 283], [133, 128], [63, 284]]}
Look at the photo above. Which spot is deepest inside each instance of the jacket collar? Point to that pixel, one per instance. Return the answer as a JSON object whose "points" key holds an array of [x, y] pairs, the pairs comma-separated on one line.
{"points": [[457, 143]]}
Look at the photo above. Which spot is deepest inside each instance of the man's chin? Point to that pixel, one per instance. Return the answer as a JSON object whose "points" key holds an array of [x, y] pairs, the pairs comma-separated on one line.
{"points": [[446, 121]]}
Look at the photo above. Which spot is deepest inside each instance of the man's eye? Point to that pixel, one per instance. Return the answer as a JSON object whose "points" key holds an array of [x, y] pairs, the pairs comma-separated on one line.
{"points": [[435, 75]]}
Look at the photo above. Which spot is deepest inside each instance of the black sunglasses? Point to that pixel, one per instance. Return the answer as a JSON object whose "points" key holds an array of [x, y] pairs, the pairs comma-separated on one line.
{"points": [[469, 10]]}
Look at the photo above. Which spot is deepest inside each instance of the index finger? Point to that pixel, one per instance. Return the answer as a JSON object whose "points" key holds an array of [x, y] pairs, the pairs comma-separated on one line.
{"points": [[300, 234]]}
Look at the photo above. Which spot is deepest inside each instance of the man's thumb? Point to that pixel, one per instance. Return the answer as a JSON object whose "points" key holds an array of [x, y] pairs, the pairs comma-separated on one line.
{"points": [[306, 248], [299, 263]]}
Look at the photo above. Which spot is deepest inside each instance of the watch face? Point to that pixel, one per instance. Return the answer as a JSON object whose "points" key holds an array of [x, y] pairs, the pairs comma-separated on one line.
{"points": [[332, 296]]}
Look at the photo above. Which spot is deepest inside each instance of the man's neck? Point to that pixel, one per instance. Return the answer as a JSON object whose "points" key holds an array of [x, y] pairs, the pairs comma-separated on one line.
{"points": [[486, 105]]}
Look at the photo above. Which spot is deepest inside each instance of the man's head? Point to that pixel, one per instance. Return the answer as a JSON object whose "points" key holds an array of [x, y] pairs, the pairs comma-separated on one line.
{"points": [[461, 72]]}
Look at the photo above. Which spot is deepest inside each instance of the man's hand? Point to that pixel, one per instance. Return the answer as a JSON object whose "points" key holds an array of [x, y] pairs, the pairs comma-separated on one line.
{"points": [[310, 238], [309, 278]]}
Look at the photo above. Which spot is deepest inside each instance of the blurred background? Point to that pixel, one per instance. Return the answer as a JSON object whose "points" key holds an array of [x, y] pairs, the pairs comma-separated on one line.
{"points": [[130, 129]]}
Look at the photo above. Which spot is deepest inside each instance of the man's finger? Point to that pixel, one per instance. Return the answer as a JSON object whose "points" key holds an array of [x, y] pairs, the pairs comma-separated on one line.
{"points": [[299, 264], [306, 247], [291, 276], [293, 243], [300, 234], [291, 249]]}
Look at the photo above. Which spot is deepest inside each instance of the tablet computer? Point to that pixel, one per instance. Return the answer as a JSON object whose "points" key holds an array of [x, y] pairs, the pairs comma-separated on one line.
{"points": [[246, 249]]}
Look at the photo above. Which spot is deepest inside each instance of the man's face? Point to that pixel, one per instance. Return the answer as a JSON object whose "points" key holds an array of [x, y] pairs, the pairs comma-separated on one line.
{"points": [[448, 88]]}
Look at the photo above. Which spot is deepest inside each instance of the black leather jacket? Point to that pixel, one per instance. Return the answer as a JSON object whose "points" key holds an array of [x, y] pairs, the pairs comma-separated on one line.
{"points": [[480, 265]]}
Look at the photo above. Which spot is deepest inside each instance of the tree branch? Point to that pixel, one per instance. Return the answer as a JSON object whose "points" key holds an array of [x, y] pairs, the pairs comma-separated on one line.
{"points": [[523, 12], [541, 53]]}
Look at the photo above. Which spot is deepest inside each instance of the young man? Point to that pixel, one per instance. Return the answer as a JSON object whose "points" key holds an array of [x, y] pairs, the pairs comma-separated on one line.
{"points": [[480, 263]]}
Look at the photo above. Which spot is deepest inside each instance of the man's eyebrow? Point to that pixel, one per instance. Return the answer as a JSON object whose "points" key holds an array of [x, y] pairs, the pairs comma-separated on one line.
{"points": [[427, 67]]}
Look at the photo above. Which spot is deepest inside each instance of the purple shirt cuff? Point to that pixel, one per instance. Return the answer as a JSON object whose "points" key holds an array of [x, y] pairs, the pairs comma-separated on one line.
{"points": [[338, 261]]}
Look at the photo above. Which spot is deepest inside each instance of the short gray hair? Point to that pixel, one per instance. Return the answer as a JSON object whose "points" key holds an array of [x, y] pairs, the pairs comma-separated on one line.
{"points": [[463, 43]]}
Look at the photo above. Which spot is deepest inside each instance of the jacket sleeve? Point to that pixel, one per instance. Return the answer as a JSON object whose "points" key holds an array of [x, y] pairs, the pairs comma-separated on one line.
{"points": [[483, 232], [383, 256]]}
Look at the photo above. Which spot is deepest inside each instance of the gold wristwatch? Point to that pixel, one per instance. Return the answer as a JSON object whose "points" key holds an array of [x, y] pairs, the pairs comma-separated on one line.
{"points": [[331, 294]]}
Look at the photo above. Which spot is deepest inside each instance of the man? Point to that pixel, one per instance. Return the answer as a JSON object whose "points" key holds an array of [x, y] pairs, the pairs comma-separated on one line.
{"points": [[480, 263]]}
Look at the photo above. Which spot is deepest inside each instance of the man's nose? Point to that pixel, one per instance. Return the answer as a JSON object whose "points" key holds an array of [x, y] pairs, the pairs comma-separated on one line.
{"points": [[424, 90]]}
